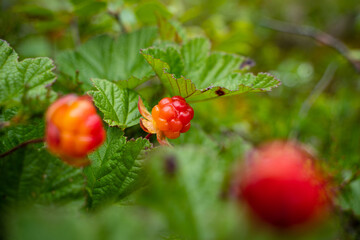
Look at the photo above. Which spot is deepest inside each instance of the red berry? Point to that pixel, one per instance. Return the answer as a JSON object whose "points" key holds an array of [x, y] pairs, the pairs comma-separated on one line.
{"points": [[185, 117], [73, 129], [172, 135], [178, 98], [168, 112], [282, 187], [186, 128], [172, 116], [175, 125], [165, 101], [180, 105]]}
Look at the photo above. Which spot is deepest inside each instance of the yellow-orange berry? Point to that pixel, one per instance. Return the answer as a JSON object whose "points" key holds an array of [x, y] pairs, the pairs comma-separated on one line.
{"points": [[73, 129]]}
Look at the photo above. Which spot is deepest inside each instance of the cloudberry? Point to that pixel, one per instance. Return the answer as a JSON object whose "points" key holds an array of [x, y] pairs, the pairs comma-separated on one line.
{"points": [[169, 118], [73, 129], [282, 187]]}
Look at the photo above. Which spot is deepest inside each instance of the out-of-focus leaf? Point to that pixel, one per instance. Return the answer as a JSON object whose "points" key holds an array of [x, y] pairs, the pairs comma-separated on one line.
{"points": [[14, 135], [107, 58], [28, 78], [34, 47], [59, 224], [196, 135], [32, 175], [86, 8], [34, 11], [349, 199], [147, 12], [119, 105], [116, 169], [185, 185], [170, 30], [196, 74]]}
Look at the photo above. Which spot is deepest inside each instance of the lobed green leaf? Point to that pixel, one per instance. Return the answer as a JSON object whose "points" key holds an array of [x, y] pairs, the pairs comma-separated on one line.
{"points": [[26, 79], [196, 74], [119, 105], [32, 175], [185, 184], [116, 169], [107, 58]]}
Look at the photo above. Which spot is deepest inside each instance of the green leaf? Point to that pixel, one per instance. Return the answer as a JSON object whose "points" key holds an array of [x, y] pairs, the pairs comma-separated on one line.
{"points": [[198, 75], [87, 8], [33, 11], [107, 58], [13, 136], [170, 30], [26, 79], [349, 199], [148, 11], [116, 169], [119, 105], [185, 184], [132, 82], [32, 175], [115, 222]]}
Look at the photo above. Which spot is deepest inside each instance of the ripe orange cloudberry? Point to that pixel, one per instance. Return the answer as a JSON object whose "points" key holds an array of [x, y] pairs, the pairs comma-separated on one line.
{"points": [[73, 129], [282, 187], [169, 118]]}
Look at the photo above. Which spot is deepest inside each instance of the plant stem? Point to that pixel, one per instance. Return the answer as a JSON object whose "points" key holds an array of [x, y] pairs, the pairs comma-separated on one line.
{"points": [[315, 93], [148, 136], [350, 180], [117, 17], [315, 34], [38, 140]]}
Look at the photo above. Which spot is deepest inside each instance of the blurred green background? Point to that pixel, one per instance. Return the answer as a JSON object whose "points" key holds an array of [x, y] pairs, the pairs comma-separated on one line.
{"points": [[318, 102]]}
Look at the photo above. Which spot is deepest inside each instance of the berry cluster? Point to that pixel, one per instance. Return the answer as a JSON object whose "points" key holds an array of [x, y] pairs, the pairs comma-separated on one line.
{"points": [[173, 116], [73, 129], [282, 187], [169, 118]]}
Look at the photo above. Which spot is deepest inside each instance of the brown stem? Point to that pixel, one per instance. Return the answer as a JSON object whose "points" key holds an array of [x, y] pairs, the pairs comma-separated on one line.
{"points": [[315, 34], [148, 136], [117, 17], [21, 145], [355, 176]]}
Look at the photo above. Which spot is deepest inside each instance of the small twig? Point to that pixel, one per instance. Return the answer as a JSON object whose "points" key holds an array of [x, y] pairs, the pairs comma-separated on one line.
{"points": [[348, 181], [148, 136], [75, 32], [4, 124], [315, 34], [305, 107], [39, 140], [117, 17]]}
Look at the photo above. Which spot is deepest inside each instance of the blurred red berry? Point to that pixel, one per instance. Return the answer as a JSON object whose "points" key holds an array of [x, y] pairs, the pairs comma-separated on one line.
{"points": [[169, 118], [73, 129], [282, 187]]}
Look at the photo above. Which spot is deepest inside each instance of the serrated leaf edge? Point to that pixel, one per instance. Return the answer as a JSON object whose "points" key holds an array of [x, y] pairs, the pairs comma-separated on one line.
{"points": [[165, 71]]}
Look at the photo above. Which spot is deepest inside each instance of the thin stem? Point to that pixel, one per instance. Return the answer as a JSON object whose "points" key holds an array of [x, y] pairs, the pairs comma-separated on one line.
{"points": [[315, 34], [75, 32], [355, 176], [148, 136], [39, 140], [117, 17], [315, 93]]}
